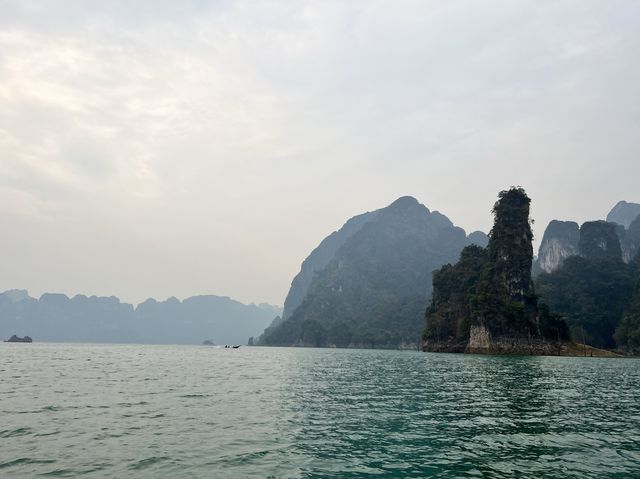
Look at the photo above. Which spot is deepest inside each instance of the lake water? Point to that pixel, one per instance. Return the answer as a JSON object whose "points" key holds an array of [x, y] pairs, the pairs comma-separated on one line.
{"points": [[74, 410]]}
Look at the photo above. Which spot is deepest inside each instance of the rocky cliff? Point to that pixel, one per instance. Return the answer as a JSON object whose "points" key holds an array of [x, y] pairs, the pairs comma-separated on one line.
{"points": [[486, 302], [560, 240], [629, 240]]}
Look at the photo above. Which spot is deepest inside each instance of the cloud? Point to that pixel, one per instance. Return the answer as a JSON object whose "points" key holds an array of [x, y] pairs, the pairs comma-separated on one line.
{"points": [[209, 146]]}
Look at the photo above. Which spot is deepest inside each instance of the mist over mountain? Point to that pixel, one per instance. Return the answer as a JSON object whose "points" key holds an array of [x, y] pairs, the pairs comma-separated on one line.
{"points": [[368, 284], [318, 260], [624, 213], [562, 239], [56, 317]]}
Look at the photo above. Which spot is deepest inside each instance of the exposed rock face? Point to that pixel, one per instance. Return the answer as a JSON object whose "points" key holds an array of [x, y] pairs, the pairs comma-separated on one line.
{"points": [[373, 292], [479, 339], [629, 240], [560, 240], [624, 213], [482, 342], [563, 239]]}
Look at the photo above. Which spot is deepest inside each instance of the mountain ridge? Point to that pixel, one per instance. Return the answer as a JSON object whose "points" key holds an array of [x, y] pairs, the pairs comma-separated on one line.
{"points": [[372, 293], [58, 317]]}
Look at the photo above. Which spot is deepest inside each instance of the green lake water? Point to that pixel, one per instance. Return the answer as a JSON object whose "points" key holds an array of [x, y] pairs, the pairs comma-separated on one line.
{"points": [[76, 410]]}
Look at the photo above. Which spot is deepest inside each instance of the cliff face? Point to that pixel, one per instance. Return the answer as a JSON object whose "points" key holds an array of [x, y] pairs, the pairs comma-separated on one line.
{"points": [[373, 292], [563, 239], [486, 302], [481, 341], [599, 240], [560, 240], [629, 240], [624, 213]]}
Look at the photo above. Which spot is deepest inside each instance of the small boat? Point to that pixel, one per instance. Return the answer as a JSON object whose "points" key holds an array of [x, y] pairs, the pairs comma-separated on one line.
{"points": [[236, 346], [16, 339]]}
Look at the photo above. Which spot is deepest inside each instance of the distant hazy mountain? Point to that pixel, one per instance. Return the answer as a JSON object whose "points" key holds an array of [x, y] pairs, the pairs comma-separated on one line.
{"points": [[16, 295], [318, 260], [477, 238], [368, 284], [561, 238], [56, 317], [624, 213]]}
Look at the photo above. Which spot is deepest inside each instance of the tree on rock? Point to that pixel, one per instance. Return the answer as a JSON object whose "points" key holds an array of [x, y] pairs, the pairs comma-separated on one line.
{"points": [[489, 294]]}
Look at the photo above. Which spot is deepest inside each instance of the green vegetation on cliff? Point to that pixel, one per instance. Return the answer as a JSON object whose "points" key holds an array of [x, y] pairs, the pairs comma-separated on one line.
{"points": [[627, 334], [491, 288], [374, 291], [455, 291], [592, 294], [505, 303], [593, 290], [599, 240]]}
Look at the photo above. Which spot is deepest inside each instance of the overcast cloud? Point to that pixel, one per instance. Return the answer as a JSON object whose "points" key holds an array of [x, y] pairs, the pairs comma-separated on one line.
{"points": [[180, 148]]}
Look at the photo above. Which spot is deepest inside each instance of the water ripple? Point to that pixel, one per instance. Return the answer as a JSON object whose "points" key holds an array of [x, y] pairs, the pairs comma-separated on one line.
{"points": [[174, 411]]}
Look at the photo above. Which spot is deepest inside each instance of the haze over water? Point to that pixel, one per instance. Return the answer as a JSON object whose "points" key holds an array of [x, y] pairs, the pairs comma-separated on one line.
{"points": [[179, 411]]}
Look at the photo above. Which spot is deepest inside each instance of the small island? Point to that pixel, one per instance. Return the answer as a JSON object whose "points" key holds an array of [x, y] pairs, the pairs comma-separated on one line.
{"points": [[486, 303], [16, 339]]}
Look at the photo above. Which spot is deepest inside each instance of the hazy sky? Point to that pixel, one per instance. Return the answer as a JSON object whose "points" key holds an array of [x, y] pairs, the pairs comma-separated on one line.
{"points": [[158, 148]]}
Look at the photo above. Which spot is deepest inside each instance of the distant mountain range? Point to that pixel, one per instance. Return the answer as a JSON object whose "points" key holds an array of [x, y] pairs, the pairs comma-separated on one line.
{"points": [[368, 284], [56, 317]]}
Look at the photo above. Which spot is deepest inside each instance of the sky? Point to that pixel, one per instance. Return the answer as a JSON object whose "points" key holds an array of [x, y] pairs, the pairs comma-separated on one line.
{"points": [[160, 148]]}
